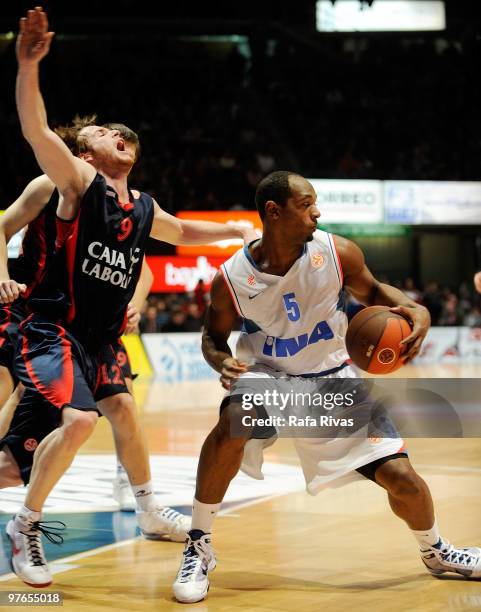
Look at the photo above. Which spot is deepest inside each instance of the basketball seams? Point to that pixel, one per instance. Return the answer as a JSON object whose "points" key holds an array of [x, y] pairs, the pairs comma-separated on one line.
{"points": [[366, 335], [374, 314]]}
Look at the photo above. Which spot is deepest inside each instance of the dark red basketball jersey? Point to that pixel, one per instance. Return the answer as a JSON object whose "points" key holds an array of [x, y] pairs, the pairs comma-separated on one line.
{"points": [[97, 266]]}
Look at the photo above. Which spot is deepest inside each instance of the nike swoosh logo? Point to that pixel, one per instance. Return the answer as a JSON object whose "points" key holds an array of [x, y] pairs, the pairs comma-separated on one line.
{"points": [[251, 297]]}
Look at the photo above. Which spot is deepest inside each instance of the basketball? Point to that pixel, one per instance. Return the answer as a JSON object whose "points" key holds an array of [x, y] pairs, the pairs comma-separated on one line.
{"points": [[373, 338]]}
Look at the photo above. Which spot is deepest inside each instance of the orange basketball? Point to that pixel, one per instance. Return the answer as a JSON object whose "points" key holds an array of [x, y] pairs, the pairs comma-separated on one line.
{"points": [[373, 338]]}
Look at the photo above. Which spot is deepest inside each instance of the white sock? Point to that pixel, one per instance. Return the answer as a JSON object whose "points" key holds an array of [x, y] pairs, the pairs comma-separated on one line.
{"points": [[25, 515], [144, 496], [203, 515], [428, 537]]}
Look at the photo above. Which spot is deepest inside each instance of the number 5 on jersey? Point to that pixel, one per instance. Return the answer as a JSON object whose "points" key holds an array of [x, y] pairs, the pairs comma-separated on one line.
{"points": [[292, 307]]}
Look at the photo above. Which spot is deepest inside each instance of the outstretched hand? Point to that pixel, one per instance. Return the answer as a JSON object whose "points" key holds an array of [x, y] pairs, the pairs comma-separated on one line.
{"points": [[33, 41]]}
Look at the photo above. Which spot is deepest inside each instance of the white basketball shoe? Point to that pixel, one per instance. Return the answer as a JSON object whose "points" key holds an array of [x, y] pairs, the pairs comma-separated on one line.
{"points": [[28, 558], [192, 582], [443, 557], [163, 523]]}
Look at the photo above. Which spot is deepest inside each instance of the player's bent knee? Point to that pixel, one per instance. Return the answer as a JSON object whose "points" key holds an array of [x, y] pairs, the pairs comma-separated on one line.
{"points": [[79, 426], [119, 409], [405, 484]]}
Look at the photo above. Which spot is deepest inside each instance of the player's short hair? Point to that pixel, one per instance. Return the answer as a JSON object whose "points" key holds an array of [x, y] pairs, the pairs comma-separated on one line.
{"points": [[70, 133], [77, 142], [275, 187]]}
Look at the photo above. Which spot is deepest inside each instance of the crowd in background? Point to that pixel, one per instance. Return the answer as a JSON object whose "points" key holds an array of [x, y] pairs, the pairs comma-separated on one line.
{"points": [[213, 119], [448, 306], [175, 312], [184, 312]]}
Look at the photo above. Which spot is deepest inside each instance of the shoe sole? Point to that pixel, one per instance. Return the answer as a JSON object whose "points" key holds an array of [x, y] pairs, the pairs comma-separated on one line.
{"points": [[14, 569], [439, 573], [192, 601]]}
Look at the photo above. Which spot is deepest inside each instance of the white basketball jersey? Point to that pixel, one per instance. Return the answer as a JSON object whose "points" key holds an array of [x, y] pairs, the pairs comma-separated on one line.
{"points": [[294, 323]]}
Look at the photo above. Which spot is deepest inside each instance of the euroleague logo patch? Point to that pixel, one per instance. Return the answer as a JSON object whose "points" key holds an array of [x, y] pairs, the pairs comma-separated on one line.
{"points": [[317, 260], [30, 444], [386, 356]]}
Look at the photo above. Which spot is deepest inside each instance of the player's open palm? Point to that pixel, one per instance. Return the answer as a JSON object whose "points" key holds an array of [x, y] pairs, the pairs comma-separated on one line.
{"points": [[34, 39]]}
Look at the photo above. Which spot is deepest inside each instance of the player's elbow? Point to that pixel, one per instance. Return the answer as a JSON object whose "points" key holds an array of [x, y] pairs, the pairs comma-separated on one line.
{"points": [[185, 234]]}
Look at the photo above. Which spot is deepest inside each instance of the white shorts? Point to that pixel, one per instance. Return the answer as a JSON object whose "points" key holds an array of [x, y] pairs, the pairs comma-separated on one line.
{"points": [[326, 462]]}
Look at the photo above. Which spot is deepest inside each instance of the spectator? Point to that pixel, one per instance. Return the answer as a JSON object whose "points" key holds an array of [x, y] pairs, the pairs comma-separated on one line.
{"points": [[201, 296], [411, 291], [450, 314], [176, 323], [149, 323], [193, 321]]}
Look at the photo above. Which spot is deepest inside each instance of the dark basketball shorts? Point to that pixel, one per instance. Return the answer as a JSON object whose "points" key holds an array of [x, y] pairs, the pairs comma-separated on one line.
{"points": [[10, 318], [36, 415], [29, 426], [113, 369], [54, 366]]}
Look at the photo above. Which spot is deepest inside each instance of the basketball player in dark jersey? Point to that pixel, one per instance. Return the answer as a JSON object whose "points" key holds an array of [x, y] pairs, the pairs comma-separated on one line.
{"points": [[82, 300], [19, 439]]}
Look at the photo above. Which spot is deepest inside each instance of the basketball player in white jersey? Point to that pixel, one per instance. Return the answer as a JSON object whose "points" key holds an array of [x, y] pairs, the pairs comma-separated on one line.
{"points": [[286, 286]]}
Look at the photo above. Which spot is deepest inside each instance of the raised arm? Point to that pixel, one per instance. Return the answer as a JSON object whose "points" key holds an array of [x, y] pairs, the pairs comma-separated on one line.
{"points": [[25, 208], [220, 319], [359, 280], [141, 292], [70, 174], [180, 231]]}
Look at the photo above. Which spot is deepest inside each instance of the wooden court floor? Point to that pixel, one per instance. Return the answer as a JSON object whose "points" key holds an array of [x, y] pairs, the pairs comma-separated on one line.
{"points": [[342, 550]]}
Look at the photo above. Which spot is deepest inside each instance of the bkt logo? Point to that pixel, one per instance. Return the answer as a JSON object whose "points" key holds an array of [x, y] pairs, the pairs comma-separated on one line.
{"points": [[287, 347]]}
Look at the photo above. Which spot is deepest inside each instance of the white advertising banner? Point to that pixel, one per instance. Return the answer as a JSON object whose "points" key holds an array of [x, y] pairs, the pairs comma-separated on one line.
{"points": [[178, 357], [349, 201], [183, 379], [432, 202], [451, 345], [380, 16]]}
